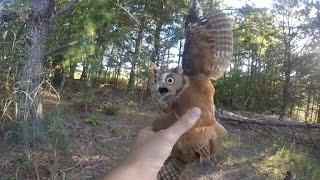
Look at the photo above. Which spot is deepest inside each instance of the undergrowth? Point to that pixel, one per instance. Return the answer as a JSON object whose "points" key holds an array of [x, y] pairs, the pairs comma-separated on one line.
{"points": [[32, 149], [111, 110], [303, 164], [92, 120]]}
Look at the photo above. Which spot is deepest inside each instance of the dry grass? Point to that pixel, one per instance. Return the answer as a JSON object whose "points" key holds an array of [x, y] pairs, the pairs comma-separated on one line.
{"points": [[251, 152]]}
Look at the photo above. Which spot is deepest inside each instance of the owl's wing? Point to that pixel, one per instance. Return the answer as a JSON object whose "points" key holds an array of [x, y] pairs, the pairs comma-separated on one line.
{"points": [[209, 43], [172, 168]]}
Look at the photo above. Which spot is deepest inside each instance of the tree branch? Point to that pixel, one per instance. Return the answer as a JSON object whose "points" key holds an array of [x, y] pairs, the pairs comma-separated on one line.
{"points": [[119, 5], [1, 9], [11, 16], [69, 44], [64, 8]]}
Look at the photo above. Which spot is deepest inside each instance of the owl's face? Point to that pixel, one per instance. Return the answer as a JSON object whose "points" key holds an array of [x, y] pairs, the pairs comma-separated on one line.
{"points": [[168, 84]]}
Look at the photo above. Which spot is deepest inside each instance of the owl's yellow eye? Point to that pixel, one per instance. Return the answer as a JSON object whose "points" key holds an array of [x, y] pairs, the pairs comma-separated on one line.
{"points": [[170, 80]]}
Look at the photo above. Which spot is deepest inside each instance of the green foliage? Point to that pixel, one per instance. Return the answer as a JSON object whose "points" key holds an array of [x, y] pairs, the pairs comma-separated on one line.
{"points": [[67, 96], [288, 159], [90, 95], [111, 110], [92, 120], [57, 136]]}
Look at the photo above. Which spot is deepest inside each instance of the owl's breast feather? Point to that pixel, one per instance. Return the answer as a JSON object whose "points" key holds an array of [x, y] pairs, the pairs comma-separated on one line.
{"points": [[198, 93]]}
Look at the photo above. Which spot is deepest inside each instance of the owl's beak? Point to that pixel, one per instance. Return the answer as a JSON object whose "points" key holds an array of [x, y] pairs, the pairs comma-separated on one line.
{"points": [[163, 90]]}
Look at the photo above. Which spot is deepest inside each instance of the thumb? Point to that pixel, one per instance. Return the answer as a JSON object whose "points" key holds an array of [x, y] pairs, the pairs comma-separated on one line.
{"points": [[186, 122]]}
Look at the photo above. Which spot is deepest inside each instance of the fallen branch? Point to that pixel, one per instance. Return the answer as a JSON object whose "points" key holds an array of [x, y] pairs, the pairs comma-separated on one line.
{"points": [[229, 116]]}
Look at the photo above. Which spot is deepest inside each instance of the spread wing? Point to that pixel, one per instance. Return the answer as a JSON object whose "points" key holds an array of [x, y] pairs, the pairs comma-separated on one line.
{"points": [[209, 43]]}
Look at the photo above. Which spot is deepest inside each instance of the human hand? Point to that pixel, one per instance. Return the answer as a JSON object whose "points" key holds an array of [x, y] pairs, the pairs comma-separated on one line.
{"points": [[152, 149]]}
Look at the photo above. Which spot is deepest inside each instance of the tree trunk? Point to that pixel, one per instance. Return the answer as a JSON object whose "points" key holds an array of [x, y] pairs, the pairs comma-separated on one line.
{"points": [[73, 68], [287, 67], [84, 75], [314, 108], [58, 75], [180, 52], [63, 81], [1, 9], [119, 68], [285, 93], [308, 105], [291, 110], [137, 53], [318, 119], [168, 58], [155, 54], [31, 71], [156, 51]]}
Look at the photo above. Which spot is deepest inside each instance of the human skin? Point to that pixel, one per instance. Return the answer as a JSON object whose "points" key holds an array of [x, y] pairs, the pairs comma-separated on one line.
{"points": [[152, 149]]}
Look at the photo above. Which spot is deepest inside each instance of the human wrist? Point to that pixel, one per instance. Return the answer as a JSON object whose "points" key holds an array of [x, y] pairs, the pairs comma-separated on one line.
{"points": [[141, 167]]}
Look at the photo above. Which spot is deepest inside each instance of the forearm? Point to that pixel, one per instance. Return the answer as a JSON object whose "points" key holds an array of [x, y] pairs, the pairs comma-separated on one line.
{"points": [[130, 170]]}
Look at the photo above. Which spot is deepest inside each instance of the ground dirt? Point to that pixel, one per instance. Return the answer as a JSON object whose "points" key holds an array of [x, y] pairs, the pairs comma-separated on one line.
{"points": [[92, 151]]}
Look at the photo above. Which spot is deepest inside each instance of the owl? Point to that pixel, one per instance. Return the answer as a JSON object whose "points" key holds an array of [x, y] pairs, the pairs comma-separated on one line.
{"points": [[207, 54]]}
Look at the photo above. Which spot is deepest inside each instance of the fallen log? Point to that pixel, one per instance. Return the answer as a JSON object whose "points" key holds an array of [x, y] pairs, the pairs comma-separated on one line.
{"points": [[229, 116]]}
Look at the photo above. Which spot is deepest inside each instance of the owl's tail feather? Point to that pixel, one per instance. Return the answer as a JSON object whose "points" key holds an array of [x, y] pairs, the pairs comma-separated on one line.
{"points": [[172, 169]]}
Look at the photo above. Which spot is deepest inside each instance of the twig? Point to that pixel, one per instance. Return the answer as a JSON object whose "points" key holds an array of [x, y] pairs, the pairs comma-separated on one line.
{"points": [[69, 44], [119, 5], [311, 139], [112, 139], [64, 8], [293, 133]]}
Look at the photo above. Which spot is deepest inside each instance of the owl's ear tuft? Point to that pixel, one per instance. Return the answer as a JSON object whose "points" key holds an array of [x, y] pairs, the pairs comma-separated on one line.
{"points": [[154, 69], [177, 70]]}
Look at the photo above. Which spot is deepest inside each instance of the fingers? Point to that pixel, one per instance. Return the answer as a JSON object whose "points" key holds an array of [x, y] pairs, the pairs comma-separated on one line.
{"points": [[186, 122]]}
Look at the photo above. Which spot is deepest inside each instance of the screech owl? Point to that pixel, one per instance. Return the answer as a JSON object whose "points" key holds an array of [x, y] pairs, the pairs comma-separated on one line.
{"points": [[207, 54], [168, 85]]}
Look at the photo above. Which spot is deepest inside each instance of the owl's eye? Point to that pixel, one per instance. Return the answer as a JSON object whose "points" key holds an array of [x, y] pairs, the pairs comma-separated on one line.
{"points": [[155, 80], [170, 80]]}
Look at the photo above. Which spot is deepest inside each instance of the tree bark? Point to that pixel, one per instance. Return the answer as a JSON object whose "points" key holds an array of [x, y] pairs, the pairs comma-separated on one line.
{"points": [[180, 53], [308, 105], [31, 71], [119, 68], [137, 53], [1, 9], [318, 119], [63, 81], [156, 51], [287, 66], [155, 54], [84, 75], [72, 71]]}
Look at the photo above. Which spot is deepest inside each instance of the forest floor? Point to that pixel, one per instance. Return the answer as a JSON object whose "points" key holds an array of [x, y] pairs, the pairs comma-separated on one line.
{"points": [[250, 152]]}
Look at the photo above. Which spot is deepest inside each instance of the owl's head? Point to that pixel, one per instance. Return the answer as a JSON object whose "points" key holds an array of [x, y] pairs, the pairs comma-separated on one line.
{"points": [[169, 84]]}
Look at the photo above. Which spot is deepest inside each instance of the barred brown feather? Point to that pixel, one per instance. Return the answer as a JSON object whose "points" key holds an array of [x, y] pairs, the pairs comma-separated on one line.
{"points": [[209, 43], [172, 169]]}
